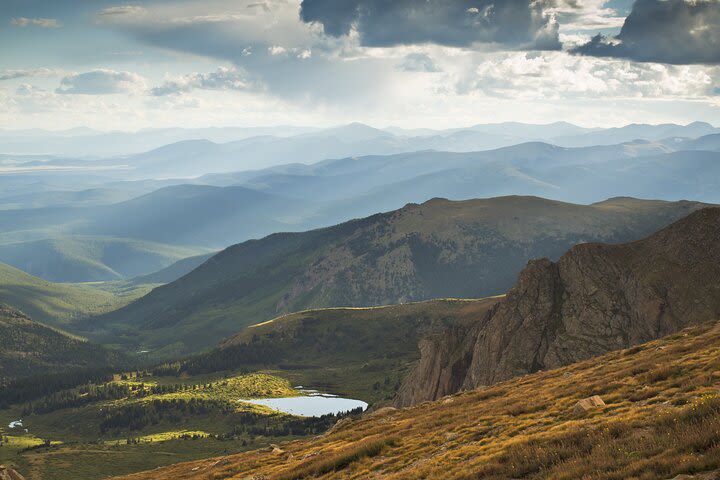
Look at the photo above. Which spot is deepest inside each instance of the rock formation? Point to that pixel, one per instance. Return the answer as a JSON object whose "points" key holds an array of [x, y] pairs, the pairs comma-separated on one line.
{"points": [[7, 473], [596, 298]]}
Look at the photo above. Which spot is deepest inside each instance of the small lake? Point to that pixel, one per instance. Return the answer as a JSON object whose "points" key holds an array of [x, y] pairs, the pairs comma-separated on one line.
{"points": [[312, 404]]}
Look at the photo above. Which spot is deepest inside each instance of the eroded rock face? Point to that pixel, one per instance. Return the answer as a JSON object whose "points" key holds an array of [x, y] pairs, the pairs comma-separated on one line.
{"points": [[444, 360], [595, 299], [7, 473]]}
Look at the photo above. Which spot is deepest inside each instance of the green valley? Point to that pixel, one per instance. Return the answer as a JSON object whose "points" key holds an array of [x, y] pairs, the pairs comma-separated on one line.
{"points": [[61, 304]]}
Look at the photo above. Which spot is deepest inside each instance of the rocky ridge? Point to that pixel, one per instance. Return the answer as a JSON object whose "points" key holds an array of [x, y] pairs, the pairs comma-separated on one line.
{"points": [[596, 298]]}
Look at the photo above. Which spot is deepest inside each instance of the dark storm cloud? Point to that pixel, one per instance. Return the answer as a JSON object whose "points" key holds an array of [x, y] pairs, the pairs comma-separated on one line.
{"points": [[459, 23], [666, 31]]}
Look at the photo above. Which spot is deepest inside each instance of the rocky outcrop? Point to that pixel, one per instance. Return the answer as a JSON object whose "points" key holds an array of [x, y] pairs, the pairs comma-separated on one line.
{"points": [[7, 473], [444, 360], [595, 299]]}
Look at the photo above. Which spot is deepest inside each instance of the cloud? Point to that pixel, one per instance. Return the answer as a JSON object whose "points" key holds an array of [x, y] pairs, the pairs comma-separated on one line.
{"points": [[222, 79], [101, 82], [458, 23], [575, 16], [418, 62], [563, 77], [677, 32], [122, 10], [36, 22], [35, 72]]}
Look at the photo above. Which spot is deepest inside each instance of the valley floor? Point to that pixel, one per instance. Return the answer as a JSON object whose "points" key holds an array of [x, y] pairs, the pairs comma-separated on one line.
{"points": [[661, 418]]}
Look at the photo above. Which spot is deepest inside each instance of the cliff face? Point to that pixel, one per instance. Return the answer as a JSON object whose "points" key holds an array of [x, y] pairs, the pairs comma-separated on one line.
{"points": [[595, 299]]}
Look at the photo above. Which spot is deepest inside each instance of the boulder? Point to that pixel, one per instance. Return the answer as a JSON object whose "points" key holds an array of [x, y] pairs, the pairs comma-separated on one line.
{"points": [[587, 404], [276, 450]]}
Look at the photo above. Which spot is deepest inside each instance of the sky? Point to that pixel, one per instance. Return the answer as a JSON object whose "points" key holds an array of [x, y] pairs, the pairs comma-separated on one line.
{"points": [[110, 65]]}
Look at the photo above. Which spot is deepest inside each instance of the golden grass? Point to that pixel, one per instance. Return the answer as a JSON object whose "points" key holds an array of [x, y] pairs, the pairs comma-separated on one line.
{"points": [[662, 418]]}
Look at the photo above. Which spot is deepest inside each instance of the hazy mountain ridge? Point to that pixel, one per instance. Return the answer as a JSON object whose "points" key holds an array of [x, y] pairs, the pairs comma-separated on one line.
{"points": [[91, 259], [437, 249], [296, 197]]}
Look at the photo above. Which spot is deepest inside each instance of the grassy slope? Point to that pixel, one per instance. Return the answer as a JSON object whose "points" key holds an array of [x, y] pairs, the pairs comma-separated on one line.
{"points": [[91, 259], [56, 303], [438, 249], [662, 418], [356, 352], [28, 348]]}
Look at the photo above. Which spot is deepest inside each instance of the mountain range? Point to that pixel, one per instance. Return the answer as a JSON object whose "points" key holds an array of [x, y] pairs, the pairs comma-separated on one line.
{"points": [[438, 249], [217, 210]]}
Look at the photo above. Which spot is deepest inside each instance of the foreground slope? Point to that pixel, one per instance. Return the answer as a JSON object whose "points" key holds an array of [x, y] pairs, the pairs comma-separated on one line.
{"points": [[438, 249], [28, 348], [661, 419], [596, 298]]}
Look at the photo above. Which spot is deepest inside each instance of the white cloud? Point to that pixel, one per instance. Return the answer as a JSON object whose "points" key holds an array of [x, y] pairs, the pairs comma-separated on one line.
{"points": [[102, 82], [584, 15], [276, 50], [27, 73], [36, 22], [223, 78], [558, 75], [122, 11]]}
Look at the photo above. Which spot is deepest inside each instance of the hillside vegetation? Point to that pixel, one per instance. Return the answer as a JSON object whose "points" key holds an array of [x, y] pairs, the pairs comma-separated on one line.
{"points": [[133, 421], [661, 418], [467, 249], [57, 304], [362, 353], [29, 348]]}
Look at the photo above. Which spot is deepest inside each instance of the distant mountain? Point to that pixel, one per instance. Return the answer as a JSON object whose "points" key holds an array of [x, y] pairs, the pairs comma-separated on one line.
{"points": [[81, 198], [91, 259], [92, 143], [707, 142], [636, 131], [533, 131], [177, 153], [29, 348], [344, 178], [437, 249], [298, 197], [197, 215], [594, 299]]}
